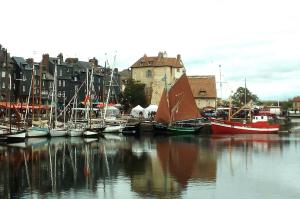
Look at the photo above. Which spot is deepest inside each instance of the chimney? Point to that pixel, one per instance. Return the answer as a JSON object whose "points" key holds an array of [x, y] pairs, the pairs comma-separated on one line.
{"points": [[29, 61], [45, 62], [160, 54], [94, 61], [60, 58], [178, 57]]}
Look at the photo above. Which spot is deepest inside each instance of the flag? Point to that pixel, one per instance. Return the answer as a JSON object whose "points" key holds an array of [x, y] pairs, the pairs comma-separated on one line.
{"points": [[86, 99]]}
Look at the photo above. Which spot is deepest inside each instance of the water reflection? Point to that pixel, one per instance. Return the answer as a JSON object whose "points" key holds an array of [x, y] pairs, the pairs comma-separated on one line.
{"points": [[134, 168]]}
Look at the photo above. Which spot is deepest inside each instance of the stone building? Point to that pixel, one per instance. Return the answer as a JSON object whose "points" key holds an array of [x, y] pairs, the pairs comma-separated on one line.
{"points": [[204, 90], [296, 103], [5, 73], [156, 73]]}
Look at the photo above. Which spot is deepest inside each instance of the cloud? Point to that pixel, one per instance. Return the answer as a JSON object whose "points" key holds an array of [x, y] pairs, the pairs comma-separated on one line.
{"points": [[253, 39]]}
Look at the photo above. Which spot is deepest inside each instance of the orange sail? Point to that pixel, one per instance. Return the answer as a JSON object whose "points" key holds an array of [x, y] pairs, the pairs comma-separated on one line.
{"points": [[177, 104]]}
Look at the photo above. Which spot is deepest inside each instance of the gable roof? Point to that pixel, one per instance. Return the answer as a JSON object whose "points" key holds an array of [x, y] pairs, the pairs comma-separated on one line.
{"points": [[159, 61], [206, 84], [296, 99], [20, 61]]}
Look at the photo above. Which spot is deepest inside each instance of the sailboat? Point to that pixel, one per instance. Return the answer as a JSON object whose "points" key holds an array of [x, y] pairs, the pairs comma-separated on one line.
{"points": [[89, 132], [55, 131], [40, 130], [115, 126], [15, 135], [177, 112], [75, 130]]}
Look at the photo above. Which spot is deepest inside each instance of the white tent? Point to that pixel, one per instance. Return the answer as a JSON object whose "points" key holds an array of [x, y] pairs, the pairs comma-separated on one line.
{"points": [[135, 112], [112, 111], [149, 109]]}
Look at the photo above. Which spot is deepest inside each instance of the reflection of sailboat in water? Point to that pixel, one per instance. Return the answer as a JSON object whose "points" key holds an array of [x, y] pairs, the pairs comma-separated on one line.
{"points": [[177, 111], [178, 158]]}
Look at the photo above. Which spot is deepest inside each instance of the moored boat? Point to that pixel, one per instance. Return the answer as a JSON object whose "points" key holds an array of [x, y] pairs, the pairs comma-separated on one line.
{"points": [[256, 124], [37, 132], [176, 108], [18, 136], [131, 129]]}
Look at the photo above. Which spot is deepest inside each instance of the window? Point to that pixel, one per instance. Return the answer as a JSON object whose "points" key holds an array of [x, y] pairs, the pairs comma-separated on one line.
{"points": [[59, 82], [148, 73], [23, 88], [3, 74], [202, 93], [60, 72], [150, 62], [43, 83], [142, 63], [44, 75], [64, 83], [75, 79], [3, 84]]}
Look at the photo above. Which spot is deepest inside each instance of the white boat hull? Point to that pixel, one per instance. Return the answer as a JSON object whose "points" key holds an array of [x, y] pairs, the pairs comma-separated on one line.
{"points": [[90, 134], [37, 132], [112, 129], [18, 137], [58, 132], [75, 132]]}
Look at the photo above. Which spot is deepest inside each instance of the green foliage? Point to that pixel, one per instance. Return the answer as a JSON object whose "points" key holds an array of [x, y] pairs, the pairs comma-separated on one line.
{"points": [[287, 104], [238, 98], [133, 95]]}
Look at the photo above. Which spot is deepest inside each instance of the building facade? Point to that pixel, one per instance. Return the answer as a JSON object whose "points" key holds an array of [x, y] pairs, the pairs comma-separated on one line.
{"points": [[157, 73], [296, 103], [204, 90], [25, 80]]}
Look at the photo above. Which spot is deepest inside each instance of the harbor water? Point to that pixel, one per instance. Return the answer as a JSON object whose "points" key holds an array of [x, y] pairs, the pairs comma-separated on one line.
{"points": [[227, 166]]}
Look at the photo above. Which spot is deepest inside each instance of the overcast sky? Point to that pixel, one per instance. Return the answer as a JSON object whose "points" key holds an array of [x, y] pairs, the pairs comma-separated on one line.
{"points": [[254, 39]]}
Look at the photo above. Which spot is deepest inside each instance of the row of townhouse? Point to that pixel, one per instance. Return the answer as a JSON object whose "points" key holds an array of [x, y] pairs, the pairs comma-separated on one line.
{"points": [[22, 79]]}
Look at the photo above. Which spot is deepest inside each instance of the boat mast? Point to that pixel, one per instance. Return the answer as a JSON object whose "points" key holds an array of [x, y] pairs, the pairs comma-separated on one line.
{"points": [[32, 108], [108, 94], [40, 91]]}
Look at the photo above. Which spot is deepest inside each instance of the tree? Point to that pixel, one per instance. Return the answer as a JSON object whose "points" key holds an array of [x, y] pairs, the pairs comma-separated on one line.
{"points": [[133, 95], [238, 98]]}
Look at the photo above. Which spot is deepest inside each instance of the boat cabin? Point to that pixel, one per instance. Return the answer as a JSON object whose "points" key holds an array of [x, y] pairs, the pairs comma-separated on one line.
{"points": [[260, 118]]}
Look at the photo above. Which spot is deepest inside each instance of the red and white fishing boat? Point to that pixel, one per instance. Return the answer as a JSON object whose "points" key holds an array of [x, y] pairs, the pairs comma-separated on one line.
{"points": [[258, 124]]}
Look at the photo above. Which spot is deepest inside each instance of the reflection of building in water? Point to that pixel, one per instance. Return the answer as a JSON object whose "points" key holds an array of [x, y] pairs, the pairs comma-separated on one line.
{"points": [[175, 164], [155, 181]]}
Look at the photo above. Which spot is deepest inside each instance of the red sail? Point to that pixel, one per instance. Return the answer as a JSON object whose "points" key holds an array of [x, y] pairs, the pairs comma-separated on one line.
{"points": [[178, 103], [163, 112], [182, 102]]}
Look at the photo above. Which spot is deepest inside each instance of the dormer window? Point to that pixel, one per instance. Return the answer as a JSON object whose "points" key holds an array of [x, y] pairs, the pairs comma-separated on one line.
{"points": [[142, 63], [150, 63], [202, 93]]}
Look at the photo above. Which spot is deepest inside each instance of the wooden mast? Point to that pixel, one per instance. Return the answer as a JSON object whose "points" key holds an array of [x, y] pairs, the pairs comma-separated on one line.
{"points": [[40, 90], [32, 91]]}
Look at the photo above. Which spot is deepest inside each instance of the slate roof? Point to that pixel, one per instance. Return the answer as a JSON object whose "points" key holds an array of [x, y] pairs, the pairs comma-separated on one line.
{"points": [[20, 61], [159, 61], [206, 84]]}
